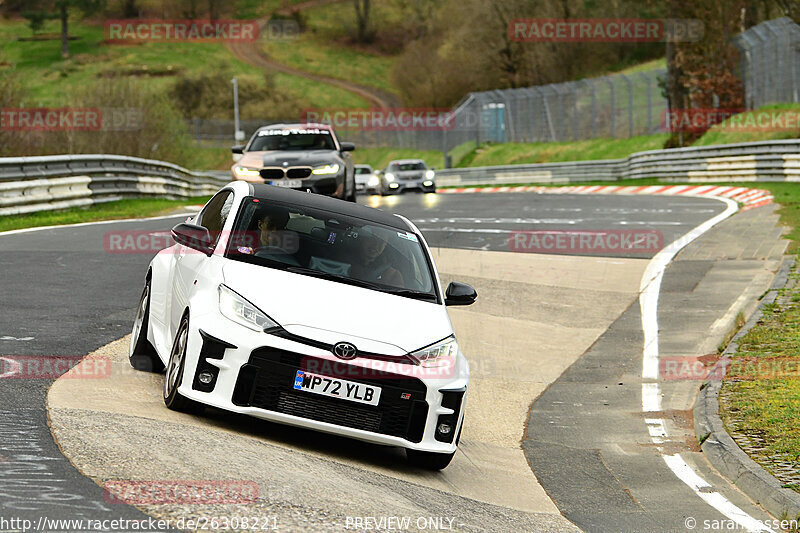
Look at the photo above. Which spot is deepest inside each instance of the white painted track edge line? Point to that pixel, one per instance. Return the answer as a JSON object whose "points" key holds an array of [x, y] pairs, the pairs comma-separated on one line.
{"points": [[95, 223], [651, 395]]}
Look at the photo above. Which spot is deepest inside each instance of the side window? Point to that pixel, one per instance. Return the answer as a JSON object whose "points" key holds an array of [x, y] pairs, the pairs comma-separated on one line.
{"points": [[215, 213]]}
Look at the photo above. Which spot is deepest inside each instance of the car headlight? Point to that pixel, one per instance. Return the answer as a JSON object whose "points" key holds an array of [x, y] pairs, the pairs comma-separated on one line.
{"points": [[327, 169], [236, 308], [440, 354], [430, 174], [373, 181], [244, 172], [389, 176]]}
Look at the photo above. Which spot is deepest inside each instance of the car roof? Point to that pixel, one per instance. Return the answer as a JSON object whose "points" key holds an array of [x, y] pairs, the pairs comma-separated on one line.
{"points": [[294, 126], [363, 166], [326, 203], [406, 161]]}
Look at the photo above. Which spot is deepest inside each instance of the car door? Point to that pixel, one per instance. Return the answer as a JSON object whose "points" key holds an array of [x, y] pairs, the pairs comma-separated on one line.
{"points": [[188, 261]]}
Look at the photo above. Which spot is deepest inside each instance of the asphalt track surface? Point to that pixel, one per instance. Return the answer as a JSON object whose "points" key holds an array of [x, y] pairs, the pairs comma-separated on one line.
{"points": [[63, 294]]}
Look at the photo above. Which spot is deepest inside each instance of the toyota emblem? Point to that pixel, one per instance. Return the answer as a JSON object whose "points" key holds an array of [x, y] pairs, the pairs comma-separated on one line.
{"points": [[345, 350]]}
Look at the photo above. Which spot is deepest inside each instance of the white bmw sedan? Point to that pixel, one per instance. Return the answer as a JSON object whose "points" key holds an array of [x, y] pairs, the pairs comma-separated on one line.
{"points": [[310, 311]]}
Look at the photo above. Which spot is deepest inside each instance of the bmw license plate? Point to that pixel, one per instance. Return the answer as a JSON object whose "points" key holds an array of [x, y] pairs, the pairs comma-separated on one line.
{"points": [[289, 184], [337, 388]]}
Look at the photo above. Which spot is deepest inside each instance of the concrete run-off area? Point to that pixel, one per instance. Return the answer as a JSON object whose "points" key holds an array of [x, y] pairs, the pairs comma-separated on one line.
{"points": [[118, 428]]}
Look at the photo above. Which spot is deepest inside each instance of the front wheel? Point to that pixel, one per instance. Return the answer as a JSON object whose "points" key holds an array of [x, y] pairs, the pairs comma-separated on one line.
{"points": [[174, 376], [142, 354], [429, 460]]}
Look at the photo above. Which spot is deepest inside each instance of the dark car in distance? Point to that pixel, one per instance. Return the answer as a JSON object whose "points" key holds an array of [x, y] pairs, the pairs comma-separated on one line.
{"points": [[305, 157]]}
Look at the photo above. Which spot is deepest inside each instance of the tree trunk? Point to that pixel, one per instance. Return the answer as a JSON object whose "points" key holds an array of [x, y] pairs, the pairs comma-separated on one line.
{"points": [[64, 32], [192, 12], [130, 9], [212, 10], [362, 19]]}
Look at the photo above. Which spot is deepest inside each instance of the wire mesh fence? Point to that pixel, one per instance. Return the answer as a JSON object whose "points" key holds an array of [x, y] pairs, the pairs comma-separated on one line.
{"points": [[616, 106], [770, 59], [622, 105]]}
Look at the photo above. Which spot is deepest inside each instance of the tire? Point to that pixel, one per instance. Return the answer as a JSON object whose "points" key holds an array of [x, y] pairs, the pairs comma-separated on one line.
{"points": [[142, 354], [174, 373], [429, 460], [352, 197]]}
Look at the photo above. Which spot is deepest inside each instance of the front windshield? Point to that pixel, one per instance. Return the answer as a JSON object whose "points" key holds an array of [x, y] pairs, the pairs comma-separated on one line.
{"points": [[333, 246], [403, 167], [292, 139], [363, 170]]}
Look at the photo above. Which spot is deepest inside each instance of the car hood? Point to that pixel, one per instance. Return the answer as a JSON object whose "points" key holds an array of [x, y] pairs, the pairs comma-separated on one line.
{"points": [[293, 159], [331, 312]]}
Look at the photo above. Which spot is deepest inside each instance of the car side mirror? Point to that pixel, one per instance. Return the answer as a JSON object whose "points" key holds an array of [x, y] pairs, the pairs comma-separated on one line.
{"points": [[238, 149], [347, 147], [194, 237], [460, 294]]}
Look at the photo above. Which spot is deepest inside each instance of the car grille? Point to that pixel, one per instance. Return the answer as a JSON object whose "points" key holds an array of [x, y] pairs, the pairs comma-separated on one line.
{"points": [[276, 173], [266, 382]]}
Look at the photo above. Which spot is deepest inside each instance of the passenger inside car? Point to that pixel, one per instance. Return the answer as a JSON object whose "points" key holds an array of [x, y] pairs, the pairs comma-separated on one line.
{"points": [[373, 263]]}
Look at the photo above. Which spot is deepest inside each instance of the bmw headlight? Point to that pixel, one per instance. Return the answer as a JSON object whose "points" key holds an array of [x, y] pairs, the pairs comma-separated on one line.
{"points": [[244, 172], [236, 308], [389, 176], [327, 169], [430, 174], [440, 354]]}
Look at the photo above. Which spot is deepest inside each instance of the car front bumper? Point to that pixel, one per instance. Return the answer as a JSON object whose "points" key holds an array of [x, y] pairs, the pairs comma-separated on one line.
{"points": [[254, 374], [327, 185], [399, 186]]}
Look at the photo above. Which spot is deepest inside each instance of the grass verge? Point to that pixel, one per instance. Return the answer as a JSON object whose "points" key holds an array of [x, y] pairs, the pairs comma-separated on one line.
{"points": [[47, 78], [525, 153], [121, 209], [760, 397]]}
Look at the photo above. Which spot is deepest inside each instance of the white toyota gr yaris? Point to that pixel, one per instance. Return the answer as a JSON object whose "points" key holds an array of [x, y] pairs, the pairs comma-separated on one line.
{"points": [[310, 311]]}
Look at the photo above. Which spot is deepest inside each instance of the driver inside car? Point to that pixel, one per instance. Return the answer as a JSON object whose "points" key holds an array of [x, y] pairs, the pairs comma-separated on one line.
{"points": [[373, 263], [274, 242]]}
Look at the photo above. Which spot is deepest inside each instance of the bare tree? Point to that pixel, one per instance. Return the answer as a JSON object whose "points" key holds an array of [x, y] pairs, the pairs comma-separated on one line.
{"points": [[363, 8]]}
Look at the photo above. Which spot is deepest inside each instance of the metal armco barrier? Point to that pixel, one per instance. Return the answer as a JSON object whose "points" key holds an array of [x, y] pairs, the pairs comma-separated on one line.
{"points": [[29, 184], [758, 161]]}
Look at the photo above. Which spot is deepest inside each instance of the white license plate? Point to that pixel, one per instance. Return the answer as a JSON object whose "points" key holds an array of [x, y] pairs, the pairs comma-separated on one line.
{"points": [[337, 388], [289, 184]]}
